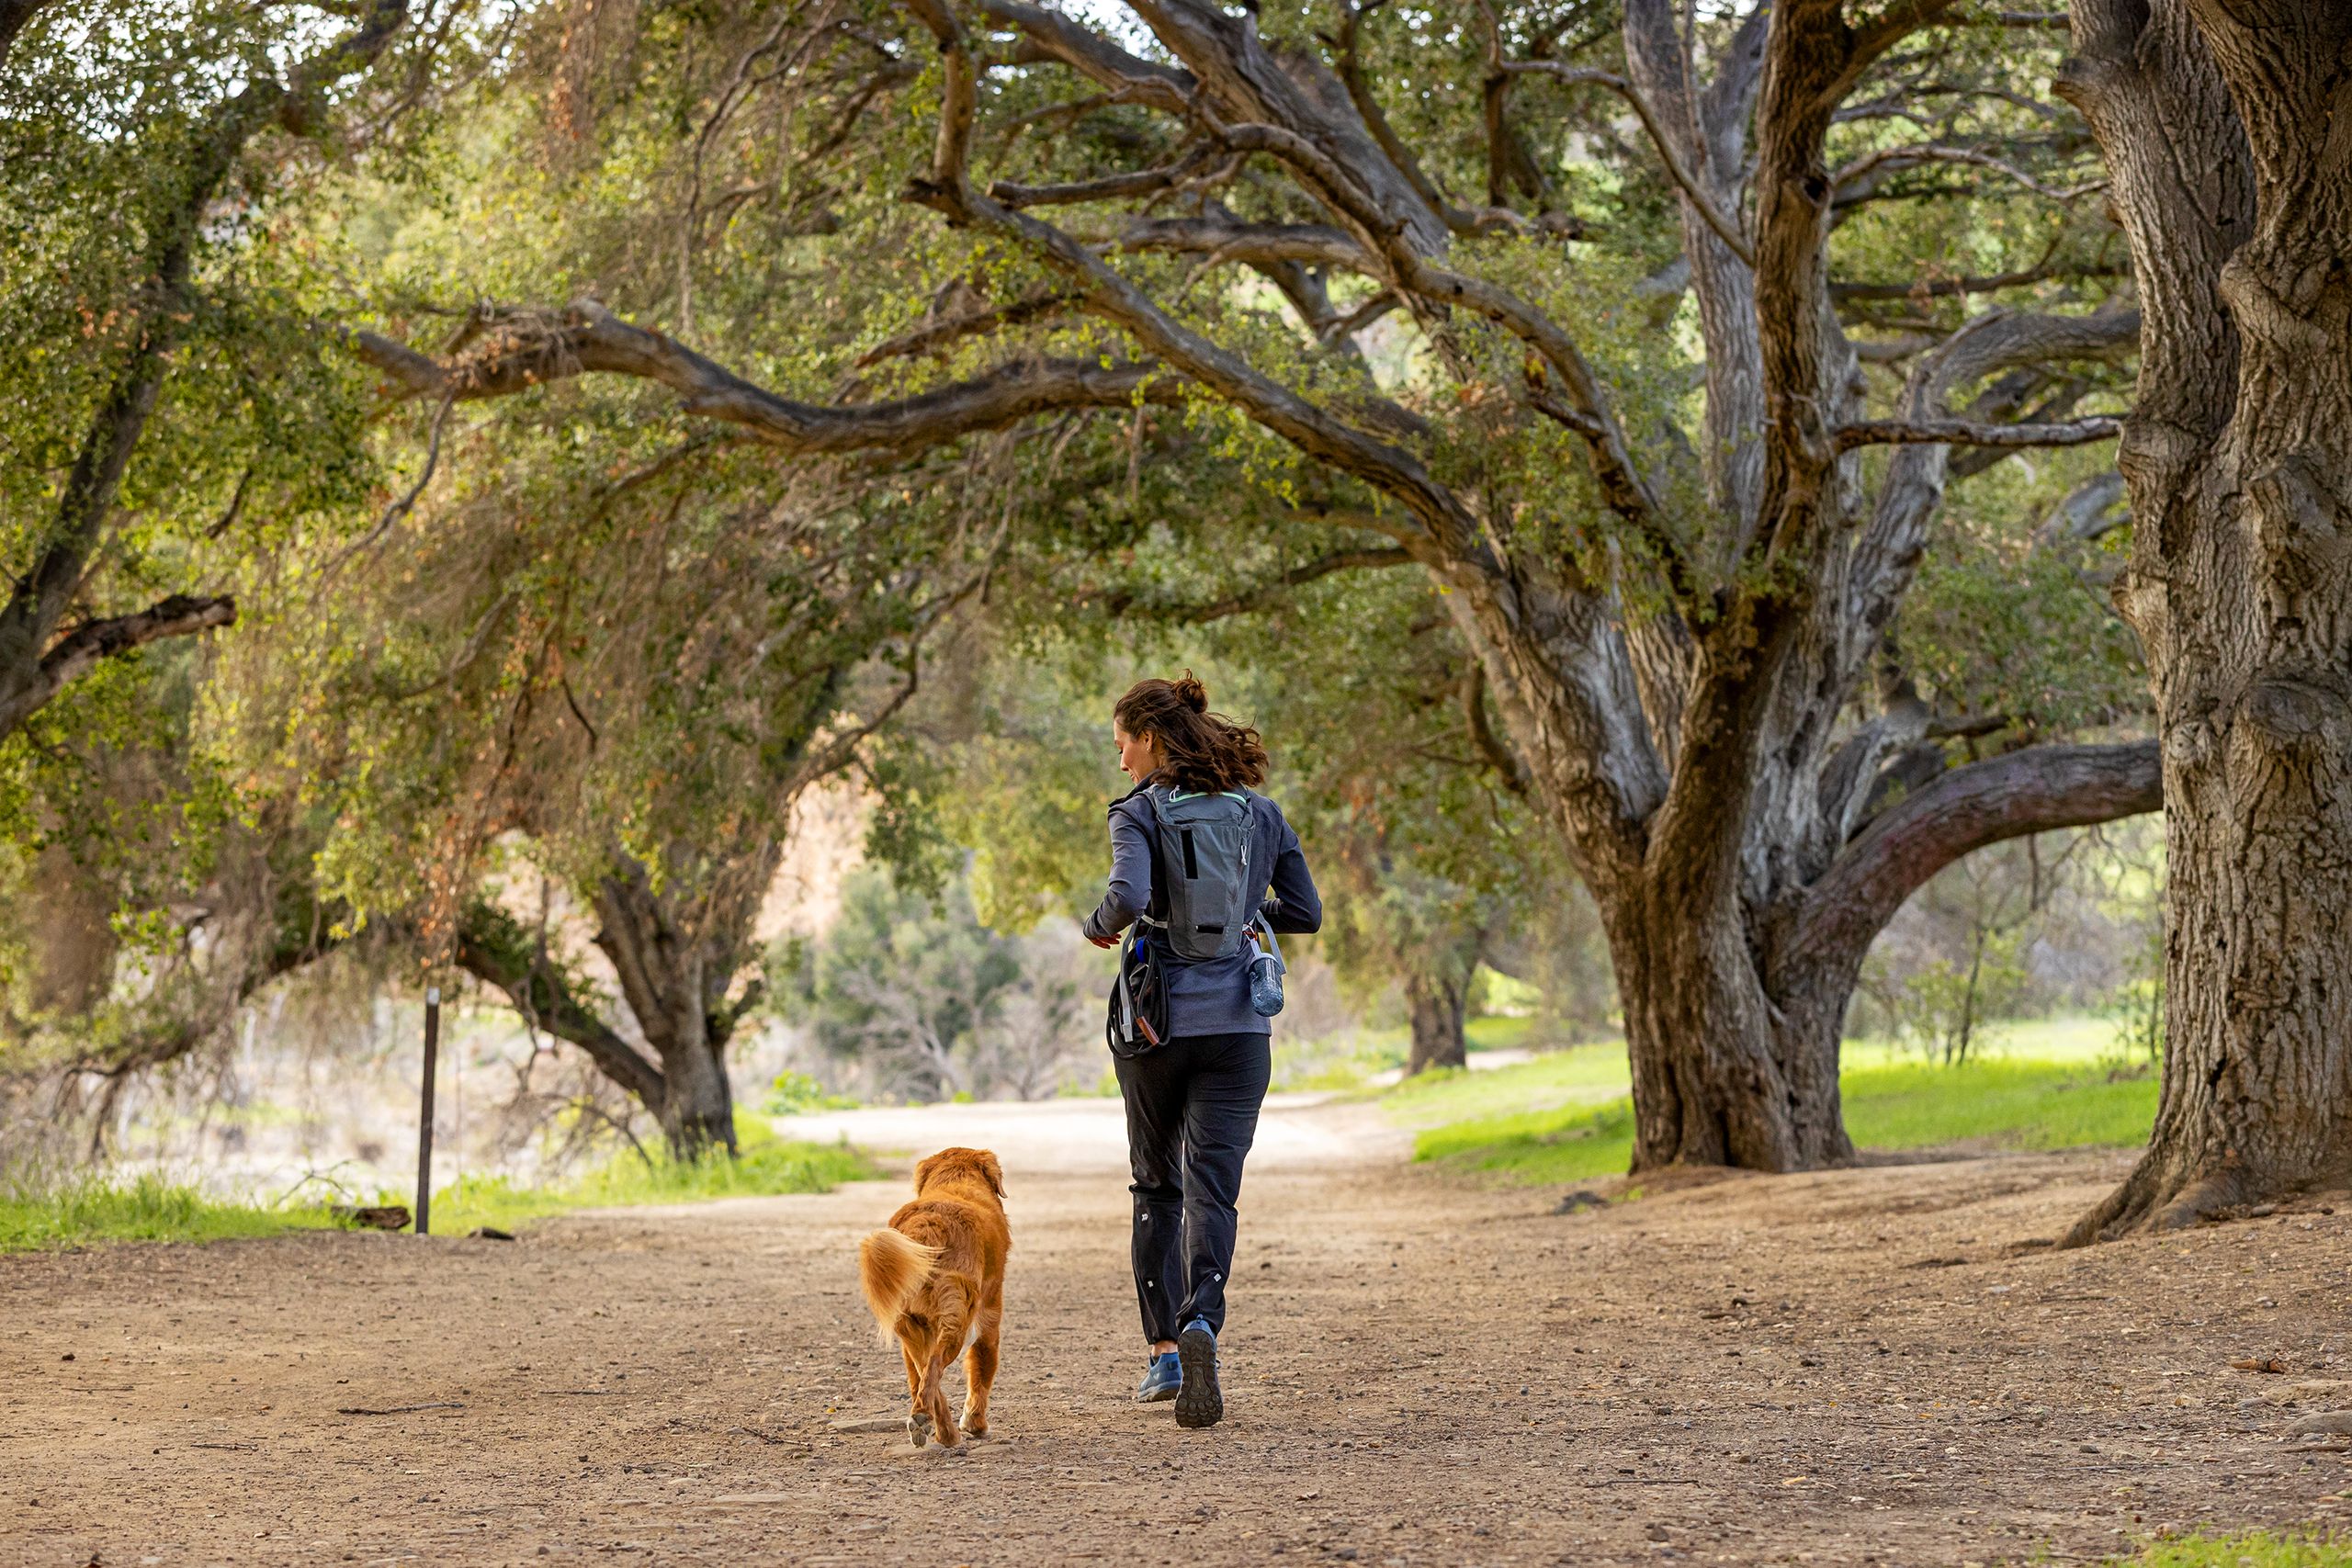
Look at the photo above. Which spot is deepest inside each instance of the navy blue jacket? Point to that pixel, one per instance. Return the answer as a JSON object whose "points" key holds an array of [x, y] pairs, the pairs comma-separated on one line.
{"points": [[1211, 997]]}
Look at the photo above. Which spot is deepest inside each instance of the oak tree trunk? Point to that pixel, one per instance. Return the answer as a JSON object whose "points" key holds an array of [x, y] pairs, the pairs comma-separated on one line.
{"points": [[1436, 996], [699, 1107], [674, 972], [1725, 1073], [2239, 460]]}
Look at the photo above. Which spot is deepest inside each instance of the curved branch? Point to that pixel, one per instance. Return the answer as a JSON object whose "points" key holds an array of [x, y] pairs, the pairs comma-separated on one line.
{"points": [[1890, 548], [1930, 287], [2030, 791], [45, 593], [1376, 120], [77, 652], [491, 948], [1313, 429], [1134, 182], [1973, 433], [525, 349], [1093, 56]]}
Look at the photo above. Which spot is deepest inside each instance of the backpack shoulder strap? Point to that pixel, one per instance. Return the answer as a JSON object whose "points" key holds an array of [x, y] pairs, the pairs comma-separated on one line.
{"points": [[1146, 797]]}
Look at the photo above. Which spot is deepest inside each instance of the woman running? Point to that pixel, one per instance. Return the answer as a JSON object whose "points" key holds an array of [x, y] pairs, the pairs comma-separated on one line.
{"points": [[1193, 1099]]}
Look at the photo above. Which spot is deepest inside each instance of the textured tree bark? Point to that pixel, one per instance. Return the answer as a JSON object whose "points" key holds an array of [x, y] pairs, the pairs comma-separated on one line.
{"points": [[1724, 1074], [2225, 127], [675, 974], [1436, 995]]}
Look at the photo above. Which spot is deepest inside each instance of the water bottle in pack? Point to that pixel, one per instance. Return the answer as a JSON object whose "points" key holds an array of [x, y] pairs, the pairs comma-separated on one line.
{"points": [[1265, 970]]}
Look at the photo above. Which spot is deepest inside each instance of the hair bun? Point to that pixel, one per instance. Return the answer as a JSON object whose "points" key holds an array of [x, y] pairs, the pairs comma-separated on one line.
{"points": [[1191, 692]]}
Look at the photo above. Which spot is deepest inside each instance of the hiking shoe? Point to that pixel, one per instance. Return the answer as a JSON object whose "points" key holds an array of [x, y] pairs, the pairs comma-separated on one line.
{"points": [[1199, 1403], [1161, 1375]]}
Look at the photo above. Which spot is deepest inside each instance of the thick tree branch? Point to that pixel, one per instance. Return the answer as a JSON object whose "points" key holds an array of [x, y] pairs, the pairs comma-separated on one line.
{"points": [[1935, 287], [1889, 550], [525, 349], [1375, 118], [78, 652], [1108, 187], [2030, 791], [1972, 433], [1873, 38], [1091, 55], [493, 949], [1312, 429]]}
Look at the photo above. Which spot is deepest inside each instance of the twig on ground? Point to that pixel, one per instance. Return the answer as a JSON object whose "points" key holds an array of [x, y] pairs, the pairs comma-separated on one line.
{"points": [[756, 1432]]}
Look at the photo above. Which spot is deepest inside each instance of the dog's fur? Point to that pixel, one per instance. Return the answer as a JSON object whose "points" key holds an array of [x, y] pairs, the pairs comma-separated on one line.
{"points": [[934, 1281]]}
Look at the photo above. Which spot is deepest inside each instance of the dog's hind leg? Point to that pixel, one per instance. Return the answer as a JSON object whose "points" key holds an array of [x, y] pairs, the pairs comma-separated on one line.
{"points": [[918, 1422], [933, 1396], [979, 1363]]}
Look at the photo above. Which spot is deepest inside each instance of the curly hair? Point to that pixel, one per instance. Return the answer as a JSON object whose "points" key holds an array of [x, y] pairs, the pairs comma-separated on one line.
{"points": [[1204, 751]]}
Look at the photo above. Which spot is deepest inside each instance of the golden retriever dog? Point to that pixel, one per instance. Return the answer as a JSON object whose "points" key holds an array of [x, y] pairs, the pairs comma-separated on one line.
{"points": [[935, 1281]]}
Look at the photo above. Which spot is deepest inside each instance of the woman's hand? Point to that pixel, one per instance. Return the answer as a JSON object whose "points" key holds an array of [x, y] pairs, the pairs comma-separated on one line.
{"points": [[1102, 941]]}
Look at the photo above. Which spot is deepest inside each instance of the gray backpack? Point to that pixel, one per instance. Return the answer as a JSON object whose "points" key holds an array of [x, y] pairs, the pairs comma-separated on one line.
{"points": [[1212, 889]]}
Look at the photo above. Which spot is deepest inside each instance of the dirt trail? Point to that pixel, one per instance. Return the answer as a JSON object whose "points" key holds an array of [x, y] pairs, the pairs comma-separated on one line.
{"points": [[1833, 1369]]}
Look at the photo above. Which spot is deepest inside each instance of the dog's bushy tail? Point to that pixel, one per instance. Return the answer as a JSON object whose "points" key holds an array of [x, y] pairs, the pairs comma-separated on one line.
{"points": [[892, 1270]]}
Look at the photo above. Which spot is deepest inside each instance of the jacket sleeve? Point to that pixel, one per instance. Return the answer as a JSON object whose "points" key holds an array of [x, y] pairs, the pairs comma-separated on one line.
{"points": [[1294, 908], [1130, 891]]}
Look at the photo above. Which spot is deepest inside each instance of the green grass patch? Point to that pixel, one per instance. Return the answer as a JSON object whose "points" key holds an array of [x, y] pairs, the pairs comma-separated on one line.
{"points": [[2255, 1549], [1485, 1120], [1569, 1144], [1586, 1075], [766, 1164], [150, 1208], [2015, 1104], [1499, 1032], [146, 1207], [2069, 1037]]}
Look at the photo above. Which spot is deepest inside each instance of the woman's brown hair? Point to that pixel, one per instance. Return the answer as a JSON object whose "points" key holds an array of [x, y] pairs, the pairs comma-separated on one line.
{"points": [[1204, 750]]}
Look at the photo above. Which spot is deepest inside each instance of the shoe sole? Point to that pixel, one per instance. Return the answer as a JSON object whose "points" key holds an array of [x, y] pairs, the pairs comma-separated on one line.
{"points": [[1199, 1403]]}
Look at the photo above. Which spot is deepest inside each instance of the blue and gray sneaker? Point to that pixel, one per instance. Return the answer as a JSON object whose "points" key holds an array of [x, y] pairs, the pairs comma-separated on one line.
{"points": [[1161, 1377], [1199, 1403]]}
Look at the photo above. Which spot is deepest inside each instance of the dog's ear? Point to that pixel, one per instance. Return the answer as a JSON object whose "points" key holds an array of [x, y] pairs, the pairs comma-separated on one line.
{"points": [[995, 1172], [922, 1172]]}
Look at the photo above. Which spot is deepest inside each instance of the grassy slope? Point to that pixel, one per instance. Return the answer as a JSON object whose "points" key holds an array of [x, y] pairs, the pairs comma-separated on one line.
{"points": [[1563, 1117], [2255, 1549], [152, 1208]]}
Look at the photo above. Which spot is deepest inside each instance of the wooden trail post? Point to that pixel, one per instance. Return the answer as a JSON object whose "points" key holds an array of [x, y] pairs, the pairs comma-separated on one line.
{"points": [[424, 1116]]}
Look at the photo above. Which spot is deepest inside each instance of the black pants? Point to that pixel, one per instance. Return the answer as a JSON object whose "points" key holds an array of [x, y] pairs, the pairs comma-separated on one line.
{"points": [[1191, 1116]]}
